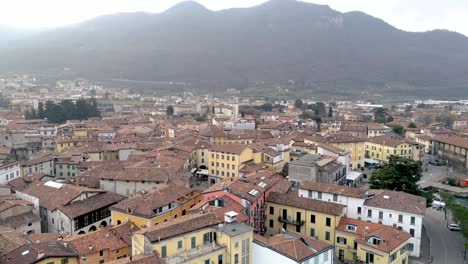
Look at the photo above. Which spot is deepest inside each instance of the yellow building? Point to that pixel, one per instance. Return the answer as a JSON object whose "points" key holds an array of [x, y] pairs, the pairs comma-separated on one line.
{"points": [[358, 240], [198, 238], [226, 160], [354, 145], [381, 148], [303, 215], [156, 207]]}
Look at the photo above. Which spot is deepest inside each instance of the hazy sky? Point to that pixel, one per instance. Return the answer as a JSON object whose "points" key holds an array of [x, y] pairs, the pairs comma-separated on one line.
{"points": [[413, 15]]}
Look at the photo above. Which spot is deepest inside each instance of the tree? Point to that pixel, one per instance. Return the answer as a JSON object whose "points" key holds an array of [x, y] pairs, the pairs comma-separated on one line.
{"points": [[380, 120], [412, 125], [398, 129], [379, 112], [390, 119], [266, 107], [330, 112], [400, 174], [321, 110], [40, 110], [170, 110], [459, 212], [298, 104], [92, 92], [306, 115], [408, 108]]}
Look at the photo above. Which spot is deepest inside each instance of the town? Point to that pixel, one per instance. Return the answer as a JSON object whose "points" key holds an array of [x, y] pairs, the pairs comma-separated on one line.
{"points": [[98, 175]]}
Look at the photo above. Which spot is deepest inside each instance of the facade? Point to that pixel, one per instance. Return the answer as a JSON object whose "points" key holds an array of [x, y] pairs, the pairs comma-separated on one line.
{"points": [[9, 171], [289, 212], [316, 168], [197, 238], [358, 240], [381, 148], [227, 160], [454, 149], [41, 164], [17, 214]]}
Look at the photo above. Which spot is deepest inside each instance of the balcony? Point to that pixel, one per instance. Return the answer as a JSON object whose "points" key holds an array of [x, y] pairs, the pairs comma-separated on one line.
{"points": [[263, 208], [290, 221]]}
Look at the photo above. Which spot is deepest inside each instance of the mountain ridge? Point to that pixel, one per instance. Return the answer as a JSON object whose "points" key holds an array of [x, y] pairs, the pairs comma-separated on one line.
{"points": [[276, 41]]}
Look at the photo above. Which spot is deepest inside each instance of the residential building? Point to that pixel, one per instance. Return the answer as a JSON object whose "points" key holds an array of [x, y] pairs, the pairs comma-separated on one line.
{"points": [[226, 160], [381, 148], [452, 148], [42, 253], [9, 171], [197, 238], [18, 215], [316, 168], [291, 248], [155, 207], [68, 208], [358, 240], [289, 212], [39, 164]]}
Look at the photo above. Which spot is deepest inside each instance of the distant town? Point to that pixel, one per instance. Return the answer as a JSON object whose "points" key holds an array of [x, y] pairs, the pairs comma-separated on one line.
{"points": [[97, 174]]}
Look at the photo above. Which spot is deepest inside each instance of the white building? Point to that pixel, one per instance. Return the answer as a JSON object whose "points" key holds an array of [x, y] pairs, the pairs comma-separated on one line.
{"points": [[9, 171], [402, 210], [291, 248]]}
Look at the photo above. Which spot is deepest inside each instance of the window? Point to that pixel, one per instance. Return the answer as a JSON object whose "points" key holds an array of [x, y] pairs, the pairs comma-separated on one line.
{"points": [[413, 220], [101, 253], [245, 251], [410, 246], [193, 241], [319, 195], [117, 251], [369, 213], [312, 232], [393, 257], [411, 231], [369, 258], [272, 210], [400, 218], [312, 219], [271, 223], [207, 261], [381, 215], [310, 194], [220, 259], [179, 244], [341, 240], [236, 259], [101, 261], [163, 251], [328, 221], [64, 261], [403, 261], [359, 210], [335, 197], [327, 235]]}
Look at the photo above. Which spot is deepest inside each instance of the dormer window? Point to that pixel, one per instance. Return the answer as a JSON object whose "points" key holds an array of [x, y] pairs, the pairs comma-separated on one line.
{"points": [[374, 240], [351, 228]]}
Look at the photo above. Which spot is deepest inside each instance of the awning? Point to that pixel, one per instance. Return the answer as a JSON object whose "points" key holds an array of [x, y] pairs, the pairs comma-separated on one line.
{"points": [[371, 161], [353, 175]]}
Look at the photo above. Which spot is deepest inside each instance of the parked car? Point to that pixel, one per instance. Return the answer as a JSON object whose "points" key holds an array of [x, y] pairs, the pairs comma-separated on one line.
{"points": [[454, 227], [437, 163]]}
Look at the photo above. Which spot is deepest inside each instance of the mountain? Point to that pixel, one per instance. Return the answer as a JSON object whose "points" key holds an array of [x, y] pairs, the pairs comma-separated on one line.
{"points": [[317, 47]]}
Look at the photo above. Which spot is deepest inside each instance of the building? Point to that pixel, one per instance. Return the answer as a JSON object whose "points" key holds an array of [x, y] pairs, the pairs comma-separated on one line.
{"points": [[226, 160], [155, 207], [39, 164], [291, 248], [9, 171], [105, 245], [314, 218], [453, 149], [197, 238], [42, 253], [381, 148], [18, 215], [68, 208], [316, 168], [358, 240]]}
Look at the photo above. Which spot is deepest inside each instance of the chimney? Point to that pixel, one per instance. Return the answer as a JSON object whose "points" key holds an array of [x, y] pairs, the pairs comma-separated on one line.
{"points": [[230, 217]]}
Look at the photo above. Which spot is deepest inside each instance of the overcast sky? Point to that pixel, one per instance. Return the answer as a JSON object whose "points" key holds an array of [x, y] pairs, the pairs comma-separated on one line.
{"points": [[412, 15]]}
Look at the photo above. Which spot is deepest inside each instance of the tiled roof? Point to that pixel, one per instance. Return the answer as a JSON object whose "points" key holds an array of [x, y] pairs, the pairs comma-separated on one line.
{"points": [[397, 201], [333, 188], [295, 246], [391, 236], [34, 253], [147, 204], [453, 140], [139, 259], [180, 226], [293, 200], [90, 204]]}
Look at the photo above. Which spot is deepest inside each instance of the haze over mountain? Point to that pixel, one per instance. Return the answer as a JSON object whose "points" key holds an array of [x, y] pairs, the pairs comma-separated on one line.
{"points": [[277, 41]]}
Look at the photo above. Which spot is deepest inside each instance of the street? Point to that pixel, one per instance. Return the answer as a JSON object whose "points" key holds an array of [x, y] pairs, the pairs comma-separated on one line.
{"points": [[446, 246]]}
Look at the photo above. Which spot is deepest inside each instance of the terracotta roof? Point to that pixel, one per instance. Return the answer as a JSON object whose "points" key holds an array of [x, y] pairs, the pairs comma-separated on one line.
{"points": [[90, 204], [397, 201], [293, 245], [10, 239], [147, 204], [33, 253], [139, 259], [180, 226], [387, 141], [453, 140], [333, 188], [292, 199], [391, 237]]}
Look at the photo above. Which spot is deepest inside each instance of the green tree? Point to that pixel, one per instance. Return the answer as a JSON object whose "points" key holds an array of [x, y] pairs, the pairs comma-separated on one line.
{"points": [[92, 92], [330, 112], [266, 107], [459, 212], [321, 110], [298, 104], [390, 119], [40, 110], [170, 110], [398, 129], [380, 120], [400, 174], [379, 112], [412, 125], [408, 108]]}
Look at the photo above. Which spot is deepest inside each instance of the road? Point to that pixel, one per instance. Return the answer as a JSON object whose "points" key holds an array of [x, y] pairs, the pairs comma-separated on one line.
{"points": [[446, 246]]}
